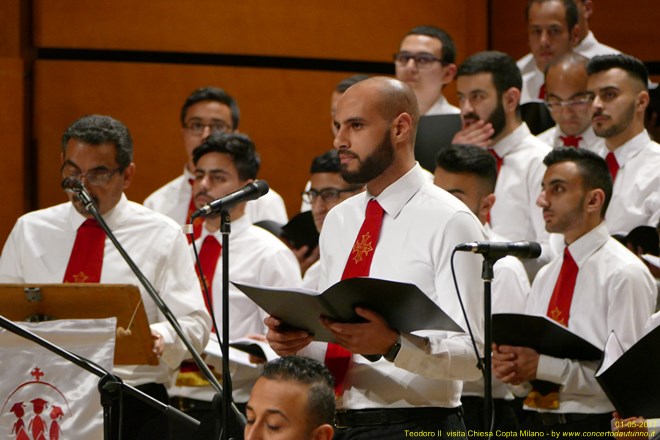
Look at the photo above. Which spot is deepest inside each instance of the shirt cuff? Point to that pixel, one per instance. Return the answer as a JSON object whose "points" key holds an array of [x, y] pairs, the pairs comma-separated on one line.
{"points": [[550, 369]]}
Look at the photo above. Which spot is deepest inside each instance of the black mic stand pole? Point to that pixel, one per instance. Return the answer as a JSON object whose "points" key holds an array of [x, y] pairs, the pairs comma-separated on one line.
{"points": [[487, 276], [82, 194]]}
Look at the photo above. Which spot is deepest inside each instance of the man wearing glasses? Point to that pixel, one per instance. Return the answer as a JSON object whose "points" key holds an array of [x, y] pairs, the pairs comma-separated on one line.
{"points": [[570, 105], [327, 190], [425, 62], [64, 243], [205, 111]]}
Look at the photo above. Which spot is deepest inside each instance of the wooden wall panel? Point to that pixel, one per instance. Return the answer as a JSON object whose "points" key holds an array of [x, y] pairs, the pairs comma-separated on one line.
{"points": [[631, 28], [341, 29], [286, 112]]}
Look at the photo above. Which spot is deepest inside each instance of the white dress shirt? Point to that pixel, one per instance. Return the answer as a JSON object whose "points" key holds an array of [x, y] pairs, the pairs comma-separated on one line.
{"points": [[173, 200], [442, 107], [312, 275], [255, 257], [421, 226], [532, 79], [636, 193], [589, 47], [514, 215], [38, 250], [509, 289], [589, 139], [613, 291]]}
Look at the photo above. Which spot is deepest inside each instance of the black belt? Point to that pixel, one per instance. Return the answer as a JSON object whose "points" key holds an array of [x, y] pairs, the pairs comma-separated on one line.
{"points": [[549, 419], [184, 404], [374, 417]]}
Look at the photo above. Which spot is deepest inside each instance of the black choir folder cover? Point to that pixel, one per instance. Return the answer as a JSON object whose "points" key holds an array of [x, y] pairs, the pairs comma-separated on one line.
{"points": [[630, 379], [402, 305], [543, 335]]}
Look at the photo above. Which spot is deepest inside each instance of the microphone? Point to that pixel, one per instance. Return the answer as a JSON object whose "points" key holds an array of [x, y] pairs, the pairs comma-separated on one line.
{"points": [[76, 187], [251, 191], [490, 250]]}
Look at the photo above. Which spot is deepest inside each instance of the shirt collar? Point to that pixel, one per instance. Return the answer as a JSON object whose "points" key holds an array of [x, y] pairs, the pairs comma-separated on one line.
{"points": [[113, 218], [589, 138], [587, 43], [631, 148], [512, 140], [585, 246], [237, 227], [394, 197]]}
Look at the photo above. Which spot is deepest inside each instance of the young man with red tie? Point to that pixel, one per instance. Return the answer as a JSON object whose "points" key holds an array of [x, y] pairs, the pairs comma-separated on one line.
{"points": [[596, 286], [64, 243], [401, 228], [619, 86]]}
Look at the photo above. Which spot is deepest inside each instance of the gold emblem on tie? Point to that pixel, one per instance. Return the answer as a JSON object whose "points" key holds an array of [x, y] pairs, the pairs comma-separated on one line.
{"points": [[80, 277], [362, 248], [556, 315]]}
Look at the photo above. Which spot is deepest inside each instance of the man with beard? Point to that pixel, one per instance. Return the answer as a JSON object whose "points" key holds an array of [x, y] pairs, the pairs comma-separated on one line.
{"points": [[596, 287], [401, 228], [489, 85], [570, 105], [619, 86], [64, 243]]}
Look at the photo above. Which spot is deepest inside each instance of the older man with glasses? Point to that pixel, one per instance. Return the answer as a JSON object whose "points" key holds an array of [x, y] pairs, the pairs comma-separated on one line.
{"points": [[425, 62]]}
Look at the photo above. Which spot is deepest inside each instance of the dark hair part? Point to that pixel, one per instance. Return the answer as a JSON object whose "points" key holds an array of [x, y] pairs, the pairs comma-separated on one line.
{"points": [[593, 169], [345, 83], [100, 129], [239, 146], [327, 162], [321, 395], [448, 52], [462, 158], [501, 66], [569, 7], [212, 94], [630, 64]]}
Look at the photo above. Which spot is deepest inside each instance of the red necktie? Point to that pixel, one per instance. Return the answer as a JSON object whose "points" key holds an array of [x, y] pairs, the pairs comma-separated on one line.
{"points": [[86, 260], [498, 159], [571, 141], [192, 208], [208, 259], [612, 164], [542, 92], [337, 358], [560, 303]]}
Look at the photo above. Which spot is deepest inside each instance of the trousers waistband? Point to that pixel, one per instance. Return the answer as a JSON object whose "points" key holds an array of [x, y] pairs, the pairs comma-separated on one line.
{"points": [[389, 416], [549, 419]]}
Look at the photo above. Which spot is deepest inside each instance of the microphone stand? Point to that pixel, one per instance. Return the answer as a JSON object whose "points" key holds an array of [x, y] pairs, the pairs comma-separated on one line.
{"points": [[225, 230], [487, 276], [81, 193], [110, 387]]}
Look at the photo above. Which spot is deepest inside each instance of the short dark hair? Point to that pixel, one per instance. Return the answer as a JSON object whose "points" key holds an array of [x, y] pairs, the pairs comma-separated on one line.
{"points": [[593, 169], [321, 396], [100, 129], [463, 158], [569, 7], [327, 162], [212, 94], [448, 52], [630, 64], [239, 146], [345, 83], [501, 66]]}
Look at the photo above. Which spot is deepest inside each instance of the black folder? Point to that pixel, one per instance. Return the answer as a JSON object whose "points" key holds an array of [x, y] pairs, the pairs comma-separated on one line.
{"points": [[543, 335], [301, 231], [402, 305], [537, 116], [434, 133], [632, 382]]}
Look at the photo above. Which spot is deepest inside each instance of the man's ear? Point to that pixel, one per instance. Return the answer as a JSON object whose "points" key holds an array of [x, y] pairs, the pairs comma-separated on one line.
{"points": [[643, 100], [486, 205], [401, 127], [595, 200], [511, 99], [323, 432], [449, 74], [128, 175]]}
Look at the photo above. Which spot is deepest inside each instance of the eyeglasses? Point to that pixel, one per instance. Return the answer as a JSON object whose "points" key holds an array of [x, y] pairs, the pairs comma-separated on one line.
{"points": [[577, 102], [328, 195], [197, 128], [422, 60], [97, 177]]}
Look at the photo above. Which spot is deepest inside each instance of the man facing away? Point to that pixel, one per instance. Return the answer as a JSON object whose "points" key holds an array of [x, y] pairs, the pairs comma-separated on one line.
{"points": [[595, 287], [402, 228], [64, 243], [292, 400], [205, 111]]}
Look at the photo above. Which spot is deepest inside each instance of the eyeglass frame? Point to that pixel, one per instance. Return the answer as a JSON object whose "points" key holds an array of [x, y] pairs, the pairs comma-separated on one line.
{"points": [[416, 56], [108, 173], [583, 99], [199, 131], [308, 196]]}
